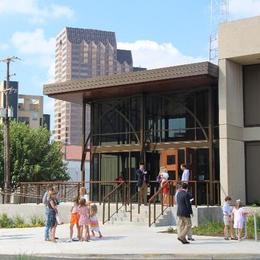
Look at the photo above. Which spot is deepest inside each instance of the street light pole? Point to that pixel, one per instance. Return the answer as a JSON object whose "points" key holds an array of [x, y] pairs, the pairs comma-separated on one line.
{"points": [[7, 170]]}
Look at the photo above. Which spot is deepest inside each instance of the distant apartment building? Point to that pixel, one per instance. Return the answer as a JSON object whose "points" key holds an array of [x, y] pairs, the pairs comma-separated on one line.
{"points": [[82, 54], [30, 110], [13, 97]]}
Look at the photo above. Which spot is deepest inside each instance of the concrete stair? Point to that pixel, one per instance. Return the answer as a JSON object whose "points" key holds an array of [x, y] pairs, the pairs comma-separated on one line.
{"points": [[123, 216]]}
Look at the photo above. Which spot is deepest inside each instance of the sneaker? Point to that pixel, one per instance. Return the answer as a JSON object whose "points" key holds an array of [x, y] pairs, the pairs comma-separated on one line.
{"points": [[191, 239], [226, 238], [183, 241], [75, 239], [233, 238], [69, 240]]}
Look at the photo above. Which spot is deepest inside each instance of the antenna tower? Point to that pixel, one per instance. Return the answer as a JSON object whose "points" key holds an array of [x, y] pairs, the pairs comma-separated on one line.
{"points": [[219, 13]]}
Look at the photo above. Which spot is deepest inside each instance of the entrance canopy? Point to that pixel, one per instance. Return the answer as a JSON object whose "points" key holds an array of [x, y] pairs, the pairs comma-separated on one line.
{"points": [[148, 81]]}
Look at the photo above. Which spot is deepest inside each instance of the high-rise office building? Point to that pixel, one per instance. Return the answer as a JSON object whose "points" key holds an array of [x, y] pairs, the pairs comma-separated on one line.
{"points": [[81, 54]]}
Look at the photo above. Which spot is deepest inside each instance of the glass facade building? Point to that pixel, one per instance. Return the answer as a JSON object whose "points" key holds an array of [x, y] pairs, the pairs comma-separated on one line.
{"points": [[174, 127]]}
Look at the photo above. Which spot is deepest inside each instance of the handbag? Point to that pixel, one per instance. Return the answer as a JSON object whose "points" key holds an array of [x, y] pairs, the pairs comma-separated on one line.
{"points": [[58, 219]]}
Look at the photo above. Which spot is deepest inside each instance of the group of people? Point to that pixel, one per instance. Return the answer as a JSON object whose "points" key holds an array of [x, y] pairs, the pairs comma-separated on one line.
{"points": [[84, 212], [234, 219], [183, 198], [83, 215], [143, 179]]}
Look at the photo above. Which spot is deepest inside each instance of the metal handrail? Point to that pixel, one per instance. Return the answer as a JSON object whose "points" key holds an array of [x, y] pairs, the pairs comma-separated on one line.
{"points": [[102, 188], [107, 199], [153, 200]]}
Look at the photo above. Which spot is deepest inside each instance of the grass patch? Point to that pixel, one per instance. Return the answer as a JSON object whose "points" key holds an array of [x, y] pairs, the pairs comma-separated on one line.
{"points": [[210, 229], [216, 229], [19, 222]]}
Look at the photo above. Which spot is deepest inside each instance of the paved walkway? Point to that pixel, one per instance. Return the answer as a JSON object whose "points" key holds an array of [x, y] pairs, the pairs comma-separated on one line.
{"points": [[121, 242]]}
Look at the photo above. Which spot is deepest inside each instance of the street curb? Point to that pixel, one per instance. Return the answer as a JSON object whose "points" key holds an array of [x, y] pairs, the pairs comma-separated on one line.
{"points": [[132, 256]]}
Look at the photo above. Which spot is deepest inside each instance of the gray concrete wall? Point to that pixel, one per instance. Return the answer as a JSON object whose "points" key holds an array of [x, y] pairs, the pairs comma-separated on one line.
{"points": [[231, 125], [239, 44], [27, 211], [201, 215]]}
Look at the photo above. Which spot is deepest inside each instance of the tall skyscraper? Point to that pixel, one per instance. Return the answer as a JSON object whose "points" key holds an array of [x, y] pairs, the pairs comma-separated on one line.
{"points": [[81, 54]]}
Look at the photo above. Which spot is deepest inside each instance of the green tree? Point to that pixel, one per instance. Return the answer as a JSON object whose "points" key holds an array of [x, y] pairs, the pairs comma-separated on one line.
{"points": [[33, 157]]}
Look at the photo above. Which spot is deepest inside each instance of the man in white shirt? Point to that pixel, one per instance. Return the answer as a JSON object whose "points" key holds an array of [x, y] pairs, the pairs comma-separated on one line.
{"points": [[186, 173]]}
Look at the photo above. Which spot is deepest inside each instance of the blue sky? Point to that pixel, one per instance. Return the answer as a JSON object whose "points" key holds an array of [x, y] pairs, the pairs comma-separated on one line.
{"points": [[159, 32]]}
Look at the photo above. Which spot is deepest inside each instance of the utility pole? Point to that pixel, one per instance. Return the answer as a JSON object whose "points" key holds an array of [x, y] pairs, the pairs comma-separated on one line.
{"points": [[7, 170]]}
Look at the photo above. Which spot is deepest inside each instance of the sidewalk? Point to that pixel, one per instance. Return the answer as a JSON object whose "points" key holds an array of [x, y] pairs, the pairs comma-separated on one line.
{"points": [[121, 242]]}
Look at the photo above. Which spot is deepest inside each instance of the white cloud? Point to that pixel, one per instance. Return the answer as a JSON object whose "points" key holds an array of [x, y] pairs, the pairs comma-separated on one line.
{"points": [[150, 54], [33, 42], [34, 48], [37, 51], [37, 12], [243, 8]]}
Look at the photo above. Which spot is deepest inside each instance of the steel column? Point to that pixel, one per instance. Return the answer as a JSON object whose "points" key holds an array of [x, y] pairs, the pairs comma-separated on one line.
{"points": [[83, 171]]}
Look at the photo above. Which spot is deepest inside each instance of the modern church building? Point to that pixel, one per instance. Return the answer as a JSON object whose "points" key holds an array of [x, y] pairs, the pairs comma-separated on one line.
{"points": [[201, 114]]}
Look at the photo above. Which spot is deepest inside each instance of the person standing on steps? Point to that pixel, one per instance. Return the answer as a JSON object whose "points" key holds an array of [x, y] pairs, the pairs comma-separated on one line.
{"points": [[184, 212], [142, 183], [185, 177]]}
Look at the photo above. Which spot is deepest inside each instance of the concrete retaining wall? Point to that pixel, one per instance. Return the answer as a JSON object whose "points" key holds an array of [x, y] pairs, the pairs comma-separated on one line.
{"points": [[201, 215]]}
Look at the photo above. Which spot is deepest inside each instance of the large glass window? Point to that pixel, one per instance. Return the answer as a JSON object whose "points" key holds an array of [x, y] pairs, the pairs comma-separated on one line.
{"points": [[251, 77], [169, 117], [252, 172]]}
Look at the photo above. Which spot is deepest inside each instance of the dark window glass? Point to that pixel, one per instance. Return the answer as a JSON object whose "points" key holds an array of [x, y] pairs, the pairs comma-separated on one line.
{"points": [[171, 159], [251, 76], [252, 172]]}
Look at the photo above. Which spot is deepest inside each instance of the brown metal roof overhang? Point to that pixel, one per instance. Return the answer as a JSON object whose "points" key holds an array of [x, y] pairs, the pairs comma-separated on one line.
{"points": [[132, 83]]}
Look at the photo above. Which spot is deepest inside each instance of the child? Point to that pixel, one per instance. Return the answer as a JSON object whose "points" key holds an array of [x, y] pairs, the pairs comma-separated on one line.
{"points": [[83, 220], [165, 188], [94, 226], [239, 214], [74, 218], [227, 213]]}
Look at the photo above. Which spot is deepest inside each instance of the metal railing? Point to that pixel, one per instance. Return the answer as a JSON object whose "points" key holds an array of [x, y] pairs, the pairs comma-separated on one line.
{"points": [[158, 197], [200, 198], [119, 190]]}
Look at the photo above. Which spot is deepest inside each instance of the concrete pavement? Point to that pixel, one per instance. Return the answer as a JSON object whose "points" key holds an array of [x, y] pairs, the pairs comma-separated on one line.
{"points": [[121, 242]]}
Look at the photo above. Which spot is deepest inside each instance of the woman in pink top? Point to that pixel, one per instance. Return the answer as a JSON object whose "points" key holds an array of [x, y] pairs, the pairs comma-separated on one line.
{"points": [[83, 220]]}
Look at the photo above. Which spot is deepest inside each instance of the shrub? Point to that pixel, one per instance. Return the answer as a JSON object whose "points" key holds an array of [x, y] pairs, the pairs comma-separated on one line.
{"points": [[37, 221], [5, 221], [18, 222]]}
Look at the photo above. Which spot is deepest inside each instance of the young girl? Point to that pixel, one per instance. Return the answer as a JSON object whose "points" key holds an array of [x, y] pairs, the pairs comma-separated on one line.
{"points": [[83, 194], [165, 187], [83, 220], [239, 214], [94, 226], [74, 218]]}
